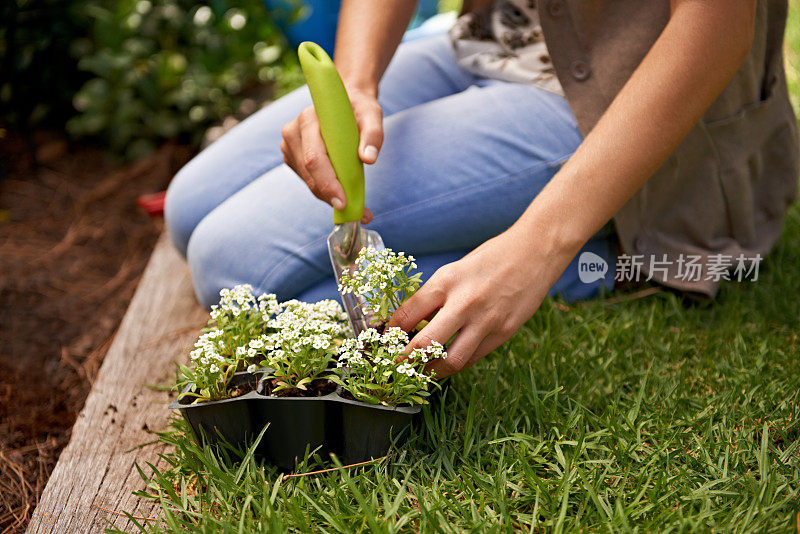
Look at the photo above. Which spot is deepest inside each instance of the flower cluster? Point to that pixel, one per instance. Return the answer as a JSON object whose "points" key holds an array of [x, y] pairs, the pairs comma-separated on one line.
{"points": [[382, 278], [239, 311], [213, 366], [295, 343], [368, 368], [297, 339], [304, 339]]}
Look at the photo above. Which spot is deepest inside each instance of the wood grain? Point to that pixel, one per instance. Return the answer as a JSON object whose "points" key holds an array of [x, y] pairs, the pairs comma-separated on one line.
{"points": [[96, 469]]}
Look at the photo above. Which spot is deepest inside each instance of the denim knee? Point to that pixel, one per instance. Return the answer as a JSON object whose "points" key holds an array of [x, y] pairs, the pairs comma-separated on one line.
{"points": [[221, 254], [180, 210], [208, 255]]}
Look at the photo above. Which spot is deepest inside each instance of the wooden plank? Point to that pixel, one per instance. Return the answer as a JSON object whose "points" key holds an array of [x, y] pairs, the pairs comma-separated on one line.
{"points": [[96, 469]]}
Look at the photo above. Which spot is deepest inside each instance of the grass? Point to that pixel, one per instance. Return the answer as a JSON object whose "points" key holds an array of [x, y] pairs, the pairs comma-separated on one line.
{"points": [[646, 414]]}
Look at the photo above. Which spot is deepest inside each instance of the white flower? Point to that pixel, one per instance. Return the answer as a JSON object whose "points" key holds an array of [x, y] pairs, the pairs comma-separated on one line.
{"points": [[394, 336], [244, 326], [381, 278], [406, 369], [252, 368], [321, 342], [370, 335]]}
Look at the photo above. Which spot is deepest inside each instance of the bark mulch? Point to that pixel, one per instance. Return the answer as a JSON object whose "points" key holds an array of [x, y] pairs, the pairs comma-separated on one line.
{"points": [[73, 245]]}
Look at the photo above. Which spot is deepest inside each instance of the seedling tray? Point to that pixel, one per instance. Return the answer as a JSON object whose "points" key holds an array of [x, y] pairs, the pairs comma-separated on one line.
{"points": [[355, 431]]}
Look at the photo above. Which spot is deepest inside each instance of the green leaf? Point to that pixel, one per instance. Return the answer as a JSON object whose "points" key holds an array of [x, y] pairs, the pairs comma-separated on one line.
{"points": [[366, 397]]}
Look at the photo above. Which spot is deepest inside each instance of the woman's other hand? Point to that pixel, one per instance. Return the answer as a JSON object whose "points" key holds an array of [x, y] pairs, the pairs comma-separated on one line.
{"points": [[304, 150], [483, 298]]}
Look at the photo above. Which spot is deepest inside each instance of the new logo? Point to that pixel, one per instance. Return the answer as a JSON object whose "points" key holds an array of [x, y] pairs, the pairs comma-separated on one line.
{"points": [[591, 267]]}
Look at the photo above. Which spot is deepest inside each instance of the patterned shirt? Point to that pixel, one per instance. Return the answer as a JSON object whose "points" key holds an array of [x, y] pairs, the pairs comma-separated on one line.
{"points": [[504, 41]]}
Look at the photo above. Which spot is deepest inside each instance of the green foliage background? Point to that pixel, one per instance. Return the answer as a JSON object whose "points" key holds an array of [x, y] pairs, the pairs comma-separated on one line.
{"points": [[38, 76], [129, 74], [167, 68]]}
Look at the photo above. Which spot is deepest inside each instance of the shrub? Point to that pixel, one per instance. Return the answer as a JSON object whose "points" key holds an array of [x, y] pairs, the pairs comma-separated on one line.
{"points": [[39, 77], [166, 69]]}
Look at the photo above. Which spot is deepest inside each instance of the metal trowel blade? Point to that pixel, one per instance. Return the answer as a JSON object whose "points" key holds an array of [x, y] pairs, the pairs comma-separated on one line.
{"points": [[344, 244]]}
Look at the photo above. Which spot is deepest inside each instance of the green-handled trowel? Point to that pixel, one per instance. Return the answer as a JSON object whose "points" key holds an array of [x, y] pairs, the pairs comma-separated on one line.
{"points": [[340, 133]]}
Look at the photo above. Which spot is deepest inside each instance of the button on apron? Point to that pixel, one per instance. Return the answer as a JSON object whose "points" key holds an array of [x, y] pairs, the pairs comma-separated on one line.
{"points": [[579, 70]]}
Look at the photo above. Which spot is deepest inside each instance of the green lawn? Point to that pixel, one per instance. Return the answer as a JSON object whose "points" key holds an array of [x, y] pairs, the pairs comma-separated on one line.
{"points": [[643, 414]]}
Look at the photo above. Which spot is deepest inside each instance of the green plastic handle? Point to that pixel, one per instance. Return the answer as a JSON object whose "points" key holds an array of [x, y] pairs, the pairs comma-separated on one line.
{"points": [[338, 126]]}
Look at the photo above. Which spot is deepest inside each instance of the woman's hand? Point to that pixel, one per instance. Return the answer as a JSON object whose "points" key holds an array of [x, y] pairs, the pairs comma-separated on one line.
{"points": [[304, 150], [484, 298]]}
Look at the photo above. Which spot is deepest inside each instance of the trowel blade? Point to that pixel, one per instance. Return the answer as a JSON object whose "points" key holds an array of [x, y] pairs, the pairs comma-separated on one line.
{"points": [[344, 244]]}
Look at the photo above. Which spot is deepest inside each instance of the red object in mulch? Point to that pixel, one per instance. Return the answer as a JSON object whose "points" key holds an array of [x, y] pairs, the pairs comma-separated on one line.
{"points": [[152, 204]]}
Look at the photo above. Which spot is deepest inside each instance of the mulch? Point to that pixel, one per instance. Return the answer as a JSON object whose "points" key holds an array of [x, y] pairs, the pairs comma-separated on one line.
{"points": [[73, 245]]}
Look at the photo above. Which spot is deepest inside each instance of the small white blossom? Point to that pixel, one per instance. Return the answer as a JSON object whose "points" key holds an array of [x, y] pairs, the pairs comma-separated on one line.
{"points": [[367, 367], [382, 279], [370, 335]]}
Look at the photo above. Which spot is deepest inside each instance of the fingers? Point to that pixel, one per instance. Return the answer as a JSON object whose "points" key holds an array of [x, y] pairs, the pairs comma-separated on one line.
{"points": [[487, 345], [367, 218], [316, 162], [369, 117], [290, 144], [441, 328], [292, 147], [305, 153], [421, 305], [461, 353]]}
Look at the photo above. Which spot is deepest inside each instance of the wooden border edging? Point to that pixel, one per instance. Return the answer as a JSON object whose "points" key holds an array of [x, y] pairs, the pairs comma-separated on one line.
{"points": [[95, 471]]}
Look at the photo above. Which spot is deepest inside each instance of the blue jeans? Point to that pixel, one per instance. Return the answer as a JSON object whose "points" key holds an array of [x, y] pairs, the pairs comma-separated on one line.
{"points": [[462, 158]]}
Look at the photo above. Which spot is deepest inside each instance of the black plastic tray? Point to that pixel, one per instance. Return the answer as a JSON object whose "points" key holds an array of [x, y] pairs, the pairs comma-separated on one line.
{"points": [[355, 431]]}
